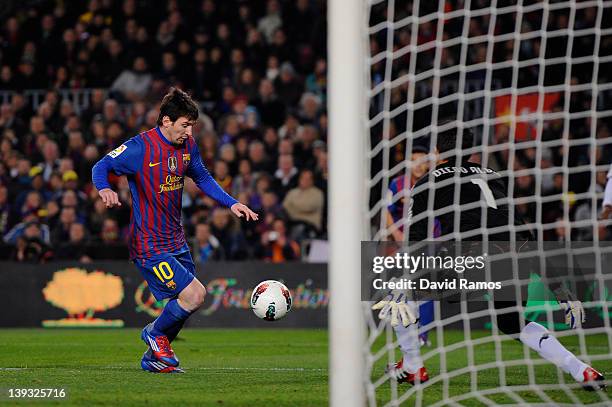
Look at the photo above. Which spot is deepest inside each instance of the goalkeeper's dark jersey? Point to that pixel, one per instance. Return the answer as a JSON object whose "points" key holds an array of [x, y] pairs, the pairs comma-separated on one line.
{"points": [[480, 189]]}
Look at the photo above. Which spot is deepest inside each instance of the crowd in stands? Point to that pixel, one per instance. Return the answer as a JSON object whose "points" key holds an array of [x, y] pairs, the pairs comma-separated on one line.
{"points": [[257, 68], [552, 180]]}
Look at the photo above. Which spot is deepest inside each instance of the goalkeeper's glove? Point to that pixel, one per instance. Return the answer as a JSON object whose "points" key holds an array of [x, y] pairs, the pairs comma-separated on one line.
{"points": [[574, 311], [394, 306]]}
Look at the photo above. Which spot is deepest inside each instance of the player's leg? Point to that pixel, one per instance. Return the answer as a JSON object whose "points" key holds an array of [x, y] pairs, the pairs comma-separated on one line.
{"points": [[541, 340], [193, 295], [410, 368], [168, 278], [426, 316]]}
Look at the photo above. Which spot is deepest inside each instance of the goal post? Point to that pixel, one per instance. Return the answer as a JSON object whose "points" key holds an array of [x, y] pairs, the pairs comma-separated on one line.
{"points": [[347, 43]]}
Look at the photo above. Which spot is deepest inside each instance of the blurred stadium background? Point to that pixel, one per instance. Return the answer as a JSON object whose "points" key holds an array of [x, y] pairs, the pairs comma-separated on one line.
{"points": [[79, 78]]}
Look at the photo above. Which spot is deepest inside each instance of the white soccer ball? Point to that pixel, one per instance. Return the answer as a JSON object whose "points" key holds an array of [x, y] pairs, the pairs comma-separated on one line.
{"points": [[271, 300]]}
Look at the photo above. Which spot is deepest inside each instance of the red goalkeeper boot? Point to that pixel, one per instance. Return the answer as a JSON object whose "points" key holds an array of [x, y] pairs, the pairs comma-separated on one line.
{"points": [[593, 380], [397, 372]]}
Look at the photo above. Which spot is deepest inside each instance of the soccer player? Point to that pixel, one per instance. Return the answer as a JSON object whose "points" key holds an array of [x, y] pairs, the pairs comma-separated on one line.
{"points": [[478, 184], [155, 163], [408, 337], [607, 201]]}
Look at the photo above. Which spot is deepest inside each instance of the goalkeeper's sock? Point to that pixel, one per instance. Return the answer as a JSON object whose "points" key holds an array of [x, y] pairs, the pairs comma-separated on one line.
{"points": [[171, 320], [542, 341], [408, 338]]}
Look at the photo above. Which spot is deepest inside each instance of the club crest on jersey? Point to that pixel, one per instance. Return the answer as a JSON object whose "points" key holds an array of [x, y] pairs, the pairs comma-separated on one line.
{"points": [[172, 163], [186, 159], [171, 284]]}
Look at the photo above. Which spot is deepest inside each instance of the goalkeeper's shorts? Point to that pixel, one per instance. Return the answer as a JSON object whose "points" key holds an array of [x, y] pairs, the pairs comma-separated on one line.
{"points": [[167, 274]]}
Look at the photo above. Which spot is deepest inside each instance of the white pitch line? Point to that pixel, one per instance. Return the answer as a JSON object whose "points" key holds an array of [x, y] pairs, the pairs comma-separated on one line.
{"points": [[263, 369], [257, 369]]}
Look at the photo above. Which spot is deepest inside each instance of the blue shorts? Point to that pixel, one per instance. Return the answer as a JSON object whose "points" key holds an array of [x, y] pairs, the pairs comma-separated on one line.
{"points": [[167, 274]]}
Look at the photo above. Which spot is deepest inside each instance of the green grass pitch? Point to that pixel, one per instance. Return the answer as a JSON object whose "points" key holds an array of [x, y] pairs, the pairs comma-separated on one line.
{"points": [[232, 367]]}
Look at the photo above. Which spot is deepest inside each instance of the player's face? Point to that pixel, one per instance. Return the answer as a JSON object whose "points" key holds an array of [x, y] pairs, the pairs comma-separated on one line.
{"points": [[421, 165], [179, 130]]}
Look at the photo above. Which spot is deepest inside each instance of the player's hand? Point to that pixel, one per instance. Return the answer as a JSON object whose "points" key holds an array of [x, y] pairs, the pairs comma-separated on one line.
{"points": [[241, 210], [395, 306], [109, 197], [605, 213], [574, 311]]}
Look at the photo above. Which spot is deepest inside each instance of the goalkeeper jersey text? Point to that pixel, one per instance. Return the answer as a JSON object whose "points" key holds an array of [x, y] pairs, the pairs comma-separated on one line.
{"points": [[480, 189]]}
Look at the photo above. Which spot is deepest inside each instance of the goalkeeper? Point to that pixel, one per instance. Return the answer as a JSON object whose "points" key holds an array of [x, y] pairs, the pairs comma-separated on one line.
{"points": [[477, 184]]}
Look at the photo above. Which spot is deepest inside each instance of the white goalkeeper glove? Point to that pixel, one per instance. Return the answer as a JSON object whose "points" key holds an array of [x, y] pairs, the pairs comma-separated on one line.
{"points": [[574, 311], [394, 306]]}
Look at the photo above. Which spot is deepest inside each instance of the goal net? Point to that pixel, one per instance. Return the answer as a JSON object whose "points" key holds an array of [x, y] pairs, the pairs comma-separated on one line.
{"points": [[532, 81]]}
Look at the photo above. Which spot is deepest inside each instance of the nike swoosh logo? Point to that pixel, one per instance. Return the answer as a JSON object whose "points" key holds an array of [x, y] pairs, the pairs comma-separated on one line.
{"points": [[545, 336], [153, 165]]}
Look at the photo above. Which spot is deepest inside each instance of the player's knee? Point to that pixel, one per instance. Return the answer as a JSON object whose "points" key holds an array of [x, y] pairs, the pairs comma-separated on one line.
{"points": [[509, 323], [192, 297], [197, 296]]}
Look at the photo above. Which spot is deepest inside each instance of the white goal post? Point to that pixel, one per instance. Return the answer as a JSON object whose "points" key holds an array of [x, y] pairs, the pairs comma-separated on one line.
{"points": [[347, 106]]}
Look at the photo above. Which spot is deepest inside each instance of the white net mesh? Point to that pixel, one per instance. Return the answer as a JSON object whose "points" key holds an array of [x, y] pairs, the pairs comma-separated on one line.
{"points": [[533, 81]]}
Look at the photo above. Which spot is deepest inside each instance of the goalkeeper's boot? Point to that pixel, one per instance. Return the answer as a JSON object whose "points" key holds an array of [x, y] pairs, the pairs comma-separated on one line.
{"points": [[150, 364], [593, 380], [160, 346], [397, 372]]}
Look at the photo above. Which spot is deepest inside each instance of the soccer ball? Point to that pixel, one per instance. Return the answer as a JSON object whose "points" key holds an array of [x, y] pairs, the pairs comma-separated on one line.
{"points": [[270, 300]]}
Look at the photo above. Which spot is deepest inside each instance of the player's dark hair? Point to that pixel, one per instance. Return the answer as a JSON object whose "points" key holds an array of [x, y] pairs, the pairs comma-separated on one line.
{"points": [[177, 104], [449, 139]]}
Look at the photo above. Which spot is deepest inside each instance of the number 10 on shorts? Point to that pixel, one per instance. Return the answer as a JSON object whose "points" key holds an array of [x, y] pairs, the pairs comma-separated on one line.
{"points": [[163, 271]]}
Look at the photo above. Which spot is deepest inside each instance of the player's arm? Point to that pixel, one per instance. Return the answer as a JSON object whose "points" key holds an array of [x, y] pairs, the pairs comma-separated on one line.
{"points": [[124, 160], [397, 234], [207, 184]]}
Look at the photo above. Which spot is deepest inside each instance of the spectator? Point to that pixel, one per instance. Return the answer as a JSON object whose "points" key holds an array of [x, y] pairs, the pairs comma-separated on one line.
{"points": [[304, 153], [287, 85], [5, 210], [259, 160], [245, 180], [31, 245], [231, 240], [109, 234], [61, 232], [276, 247], [206, 247], [271, 110], [222, 175], [285, 177], [51, 156], [77, 245], [133, 84], [269, 23], [304, 204]]}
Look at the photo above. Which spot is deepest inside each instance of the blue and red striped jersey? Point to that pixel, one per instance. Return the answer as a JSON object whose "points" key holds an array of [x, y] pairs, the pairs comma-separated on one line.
{"points": [[155, 169], [403, 185]]}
